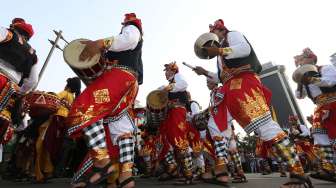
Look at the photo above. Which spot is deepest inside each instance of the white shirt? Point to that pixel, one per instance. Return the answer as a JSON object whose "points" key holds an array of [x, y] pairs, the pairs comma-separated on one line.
{"points": [[15, 76], [180, 83], [195, 108], [127, 40], [328, 79], [3, 33], [240, 48]]}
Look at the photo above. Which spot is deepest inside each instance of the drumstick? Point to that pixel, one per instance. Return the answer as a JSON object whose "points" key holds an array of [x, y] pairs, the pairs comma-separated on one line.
{"points": [[193, 68]]}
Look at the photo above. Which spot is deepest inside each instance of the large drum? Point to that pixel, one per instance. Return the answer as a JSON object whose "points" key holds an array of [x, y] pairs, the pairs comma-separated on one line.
{"points": [[157, 108], [304, 70], [200, 120], [205, 40], [86, 70], [39, 103]]}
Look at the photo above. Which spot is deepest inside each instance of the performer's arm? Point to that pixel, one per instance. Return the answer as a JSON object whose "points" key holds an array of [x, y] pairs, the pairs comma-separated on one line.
{"points": [[31, 81], [238, 44], [180, 84], [126, 40], [194, 108], [5, 35], [328, 78]]}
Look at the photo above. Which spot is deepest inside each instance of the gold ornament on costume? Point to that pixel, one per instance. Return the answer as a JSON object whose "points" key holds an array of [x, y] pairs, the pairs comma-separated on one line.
{"points": [[236, 83], [254, 106], [101, 96], [181, 144]]}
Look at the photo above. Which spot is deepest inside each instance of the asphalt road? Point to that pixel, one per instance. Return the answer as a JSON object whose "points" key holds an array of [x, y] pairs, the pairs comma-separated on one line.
{"points": [[254, 181]]}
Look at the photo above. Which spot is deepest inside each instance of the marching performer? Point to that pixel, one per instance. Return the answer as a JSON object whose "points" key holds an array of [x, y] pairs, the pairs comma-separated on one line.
{"points": [[247, 99], [217, 126], [175, 126], [234, 154], [195, 138], [103, 103], [320, 87], [301, 136], [18, 69]]}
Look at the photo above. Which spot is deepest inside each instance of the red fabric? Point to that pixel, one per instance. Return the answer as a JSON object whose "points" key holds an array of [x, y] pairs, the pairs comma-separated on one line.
{"points": [[28, 28], [54, 137], [235, 95], [175, 127], [18, 20], [261, 149], [209, 146], [219, 24], [330, 122], [194, 137], [3, 81], [109, 94], [131, 17]]}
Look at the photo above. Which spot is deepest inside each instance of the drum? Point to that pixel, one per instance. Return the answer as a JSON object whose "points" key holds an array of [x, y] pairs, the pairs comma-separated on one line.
{"points": [[200, 120], [205, 40], [304, 70], [157, 108], [86, 70], [39, 103]]}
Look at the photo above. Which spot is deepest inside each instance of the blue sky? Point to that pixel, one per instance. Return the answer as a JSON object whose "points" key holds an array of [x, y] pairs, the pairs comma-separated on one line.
{"points": [[278, 30]]}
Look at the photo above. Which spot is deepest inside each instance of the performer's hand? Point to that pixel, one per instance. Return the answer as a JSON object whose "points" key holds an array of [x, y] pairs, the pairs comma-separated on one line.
{"points": [[310, 80], [212, 51], [91, 49], [169, 87], [200, 70]]}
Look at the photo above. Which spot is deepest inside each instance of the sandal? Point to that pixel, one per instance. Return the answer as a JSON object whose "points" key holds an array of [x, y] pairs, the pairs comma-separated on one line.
{"points": [[301, 180], [102, 171], [125, 182], [186, 181], [324, 176], [215, 180], [166, 176], [239, 179]]}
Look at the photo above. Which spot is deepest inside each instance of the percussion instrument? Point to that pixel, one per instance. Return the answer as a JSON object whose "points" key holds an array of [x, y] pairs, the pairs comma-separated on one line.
{"points": [[157, 107], [39, 103], [200, 120], [205, 40], [304, 70], [87, 70]]}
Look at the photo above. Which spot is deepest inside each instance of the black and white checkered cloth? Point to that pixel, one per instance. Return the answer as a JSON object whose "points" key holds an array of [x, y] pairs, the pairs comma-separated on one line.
{"points": [[170, 157], [126, 149], [328, 153], [255, 124], [221, 149], [96, 135], [86, 166]]}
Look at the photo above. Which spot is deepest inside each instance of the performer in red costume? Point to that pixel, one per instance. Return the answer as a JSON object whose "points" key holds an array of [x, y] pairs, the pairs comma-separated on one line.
{"points": [[108, 102], [247, 99]]}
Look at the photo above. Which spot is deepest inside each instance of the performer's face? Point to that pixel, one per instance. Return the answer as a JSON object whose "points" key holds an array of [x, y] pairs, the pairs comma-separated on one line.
{"points": [[220, 34], [169, 74]]}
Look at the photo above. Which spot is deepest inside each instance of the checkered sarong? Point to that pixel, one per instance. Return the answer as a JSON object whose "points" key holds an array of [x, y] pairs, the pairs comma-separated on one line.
{"points": [[170, 157], [126, 149], [284, 149], [326, 155], [87, 164], [221, 149], [96, 135], [236, 160]]}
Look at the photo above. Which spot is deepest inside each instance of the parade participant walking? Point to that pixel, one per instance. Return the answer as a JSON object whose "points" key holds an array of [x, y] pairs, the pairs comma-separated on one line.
{"points": [[108, 100], [247, 99]]}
